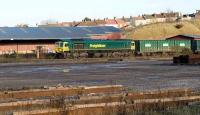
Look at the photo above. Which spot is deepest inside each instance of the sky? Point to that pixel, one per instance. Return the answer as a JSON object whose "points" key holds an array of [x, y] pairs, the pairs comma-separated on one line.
{"points": [[13, 12]]}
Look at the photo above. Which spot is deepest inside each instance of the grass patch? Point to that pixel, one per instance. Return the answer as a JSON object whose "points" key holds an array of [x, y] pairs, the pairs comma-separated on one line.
{"points": [[163, 30]]}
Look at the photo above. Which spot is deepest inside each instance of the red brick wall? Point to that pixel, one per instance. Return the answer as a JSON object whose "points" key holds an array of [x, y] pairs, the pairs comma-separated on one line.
{"points": [[24, 47], [108, 36]]}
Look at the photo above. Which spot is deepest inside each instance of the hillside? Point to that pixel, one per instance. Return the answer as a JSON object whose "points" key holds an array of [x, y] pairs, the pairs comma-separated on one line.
{"points": [[163, 30]]}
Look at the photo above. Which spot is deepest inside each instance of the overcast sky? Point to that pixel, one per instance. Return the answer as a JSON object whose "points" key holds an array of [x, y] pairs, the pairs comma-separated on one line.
{"points": [[13, 12]]}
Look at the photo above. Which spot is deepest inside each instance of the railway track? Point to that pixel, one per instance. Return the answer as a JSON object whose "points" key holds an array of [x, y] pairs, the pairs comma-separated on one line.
{"points": [[93, 98]]}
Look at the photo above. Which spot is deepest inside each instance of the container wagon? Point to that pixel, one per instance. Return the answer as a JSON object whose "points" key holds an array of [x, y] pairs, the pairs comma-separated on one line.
{"points": [[150, 47], [196, 46]]}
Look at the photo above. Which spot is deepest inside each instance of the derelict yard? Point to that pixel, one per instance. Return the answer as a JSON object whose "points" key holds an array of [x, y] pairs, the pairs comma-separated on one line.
{"points": [[137, 75]]}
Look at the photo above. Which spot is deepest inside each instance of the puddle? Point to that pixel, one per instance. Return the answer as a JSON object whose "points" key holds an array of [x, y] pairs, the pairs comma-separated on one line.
{"points": [[153, 77]]}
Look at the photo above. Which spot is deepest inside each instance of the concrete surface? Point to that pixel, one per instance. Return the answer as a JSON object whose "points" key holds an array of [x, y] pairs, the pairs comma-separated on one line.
{"points": [[139, 75]]}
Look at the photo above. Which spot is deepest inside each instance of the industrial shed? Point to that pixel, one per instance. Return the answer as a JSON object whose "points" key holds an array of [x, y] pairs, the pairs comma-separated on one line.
{"points": [[26, 40], [185, 37]]}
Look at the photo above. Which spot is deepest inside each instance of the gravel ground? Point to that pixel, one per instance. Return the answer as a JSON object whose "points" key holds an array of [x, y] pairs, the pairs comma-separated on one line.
{"points": [[139, 75]]}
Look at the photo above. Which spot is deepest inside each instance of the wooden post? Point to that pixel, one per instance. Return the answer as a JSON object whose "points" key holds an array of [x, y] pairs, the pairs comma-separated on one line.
{"points": [[38, 51]]}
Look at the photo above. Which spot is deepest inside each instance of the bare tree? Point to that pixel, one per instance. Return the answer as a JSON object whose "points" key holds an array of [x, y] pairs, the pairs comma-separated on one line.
{"points": [[22, 25]]}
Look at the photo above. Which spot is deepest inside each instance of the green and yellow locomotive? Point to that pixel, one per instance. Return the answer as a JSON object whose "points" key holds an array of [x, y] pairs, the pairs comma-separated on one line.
{"points": [[95, 48]]}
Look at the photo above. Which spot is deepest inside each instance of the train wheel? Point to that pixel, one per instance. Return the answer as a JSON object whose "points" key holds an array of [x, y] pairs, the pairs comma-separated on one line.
{"points": [[104, 54], [59, 56], [97, 55], [56, 56], [76, 55], [127, 54], [65, 55], [84, 55], [115, 54], [109, 55], [90, 55]]}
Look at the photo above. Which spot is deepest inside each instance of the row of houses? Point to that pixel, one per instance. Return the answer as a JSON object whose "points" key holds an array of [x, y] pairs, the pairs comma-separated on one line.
{"points": [[191, 16], [124, 22], [117, 23], [155, 18], [164, 17]]}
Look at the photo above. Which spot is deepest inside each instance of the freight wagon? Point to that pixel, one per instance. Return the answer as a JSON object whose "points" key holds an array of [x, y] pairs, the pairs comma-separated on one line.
{"points": [[196, 46], [95, 48], [148, 47]]}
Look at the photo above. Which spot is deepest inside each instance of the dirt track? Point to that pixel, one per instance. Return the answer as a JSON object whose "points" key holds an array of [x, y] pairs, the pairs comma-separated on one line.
{"points": [[139, 75]]}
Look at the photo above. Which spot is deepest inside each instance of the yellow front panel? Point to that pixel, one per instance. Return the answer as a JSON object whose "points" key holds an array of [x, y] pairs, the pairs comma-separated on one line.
{"points": [[65, 49], [132, 45], [58, 49]]}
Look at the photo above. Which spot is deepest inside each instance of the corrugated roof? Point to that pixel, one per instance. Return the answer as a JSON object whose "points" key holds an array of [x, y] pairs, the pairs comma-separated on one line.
{"points": [[191, 36], [36, 33]]}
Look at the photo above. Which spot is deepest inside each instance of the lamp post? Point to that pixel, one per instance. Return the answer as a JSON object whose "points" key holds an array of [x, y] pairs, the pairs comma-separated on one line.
{"points": [[12, 39]]}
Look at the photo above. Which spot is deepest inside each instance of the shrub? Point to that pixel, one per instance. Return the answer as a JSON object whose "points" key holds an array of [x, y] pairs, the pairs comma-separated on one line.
{"points": [[181, 51], [178, 26]]}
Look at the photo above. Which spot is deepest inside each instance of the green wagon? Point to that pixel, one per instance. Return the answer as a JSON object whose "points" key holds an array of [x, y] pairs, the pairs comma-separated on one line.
{"points": [[155, 46], [196, 46]]}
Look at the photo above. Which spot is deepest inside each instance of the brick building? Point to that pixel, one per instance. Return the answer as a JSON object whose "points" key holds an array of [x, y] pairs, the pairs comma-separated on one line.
{"points": [[26, 40]]}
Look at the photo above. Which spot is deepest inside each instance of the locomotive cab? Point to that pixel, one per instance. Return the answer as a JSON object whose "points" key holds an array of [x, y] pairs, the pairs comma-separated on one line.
{"points": [[132, 45], [61, 47]]}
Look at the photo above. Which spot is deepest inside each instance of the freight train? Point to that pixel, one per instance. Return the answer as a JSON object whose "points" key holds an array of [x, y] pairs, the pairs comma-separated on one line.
{"points": [[121, 48]]}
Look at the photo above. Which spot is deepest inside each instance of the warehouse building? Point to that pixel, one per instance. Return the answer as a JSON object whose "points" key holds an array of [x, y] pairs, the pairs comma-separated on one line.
{"points": [[28, 39], [185, 37]]}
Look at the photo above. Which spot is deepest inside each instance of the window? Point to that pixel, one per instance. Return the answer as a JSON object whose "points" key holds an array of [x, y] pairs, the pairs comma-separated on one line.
{"points": [[182, 44], [79, 46], [57, 44], [65, 45], [61, 44], [165, 45], [147, 45]]}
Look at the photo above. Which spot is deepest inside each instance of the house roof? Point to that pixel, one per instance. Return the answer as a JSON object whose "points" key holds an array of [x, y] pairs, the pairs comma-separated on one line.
{"points": [[127, 19], [120, 21], [138, 18], [111, 21], [148, 16], [62, 24], [153, 16], [38, 33], [92, 23]]}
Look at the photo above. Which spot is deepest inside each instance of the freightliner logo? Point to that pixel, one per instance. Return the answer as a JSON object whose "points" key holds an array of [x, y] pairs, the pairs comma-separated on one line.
{"points": [[97, 45]]}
